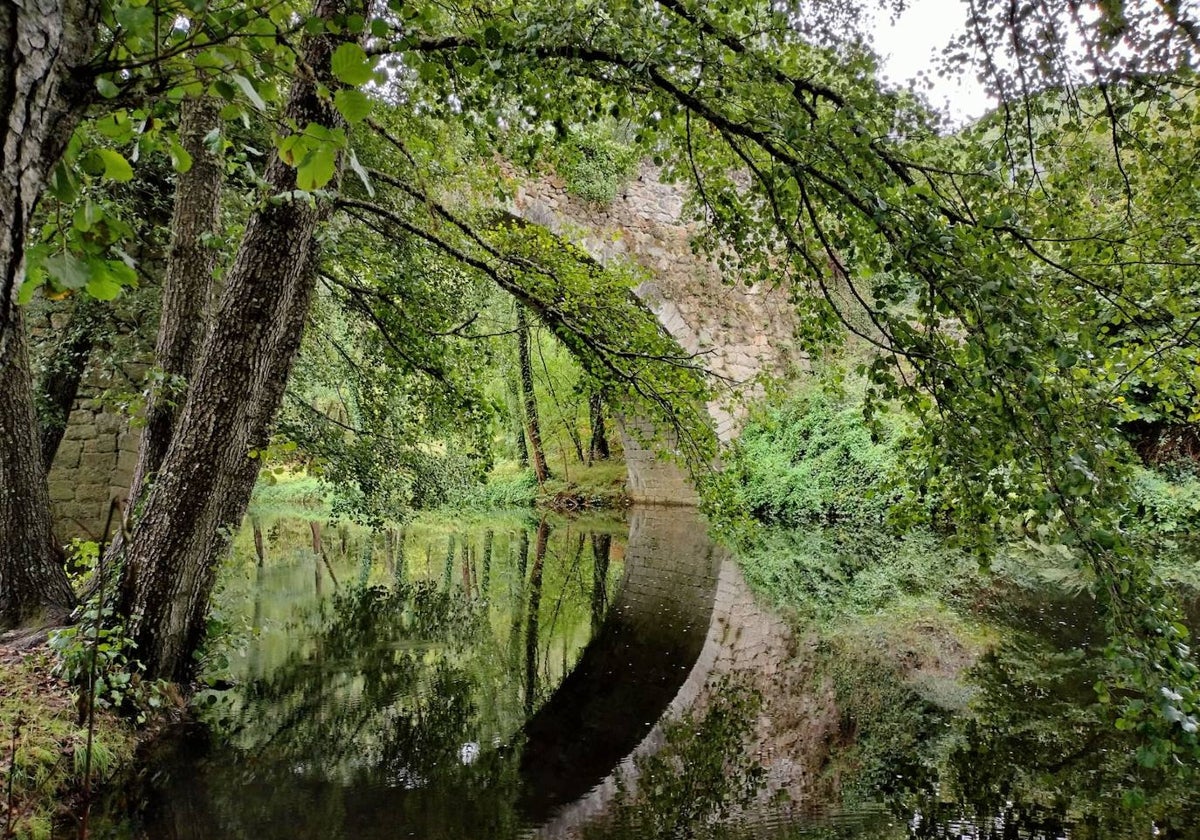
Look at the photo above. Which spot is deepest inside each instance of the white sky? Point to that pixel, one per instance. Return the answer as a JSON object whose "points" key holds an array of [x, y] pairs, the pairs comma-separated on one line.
{"points": [[909, 48]]}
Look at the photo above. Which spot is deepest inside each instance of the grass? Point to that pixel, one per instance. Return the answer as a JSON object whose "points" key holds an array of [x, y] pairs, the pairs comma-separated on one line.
{"points": [[294, 494], [46, 772]]}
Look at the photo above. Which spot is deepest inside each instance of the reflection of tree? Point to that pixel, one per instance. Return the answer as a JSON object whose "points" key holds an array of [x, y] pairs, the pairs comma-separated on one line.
{"points": [[601, 552], [1037, 755], [531, 626], [382, 707]]}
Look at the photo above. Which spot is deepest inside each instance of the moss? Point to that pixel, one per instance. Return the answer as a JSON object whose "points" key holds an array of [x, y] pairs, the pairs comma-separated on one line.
{"points": [[46, 773]]}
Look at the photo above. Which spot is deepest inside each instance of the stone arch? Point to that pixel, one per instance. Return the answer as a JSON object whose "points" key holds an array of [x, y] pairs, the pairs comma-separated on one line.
{"points": [[741, 332]]}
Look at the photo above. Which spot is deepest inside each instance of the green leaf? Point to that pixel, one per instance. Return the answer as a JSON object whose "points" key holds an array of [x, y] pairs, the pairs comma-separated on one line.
{"points": [[107, 88], [353, 104], [247, 88], [116, 167], [351, 65], [316, 170], [102, 285], [361, 173], [181, 159], [68, 271]]}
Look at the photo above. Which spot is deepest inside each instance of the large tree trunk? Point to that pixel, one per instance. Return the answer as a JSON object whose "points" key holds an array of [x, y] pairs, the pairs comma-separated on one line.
{"points": [[32, 579], [529, 400], [204, 484], [186, 285], [41, 41], [59, 384]]}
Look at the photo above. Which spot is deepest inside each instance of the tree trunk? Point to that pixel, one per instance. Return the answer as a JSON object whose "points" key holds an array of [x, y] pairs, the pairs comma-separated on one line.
{"points": [[598, 448], [59, 384], [204, 483], [186, 285], [519, 423], [32, 578], [41, 42], [529, 401]]}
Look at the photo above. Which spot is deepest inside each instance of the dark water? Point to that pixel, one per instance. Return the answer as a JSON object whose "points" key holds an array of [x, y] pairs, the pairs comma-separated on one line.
{"points": [[478, 679]]}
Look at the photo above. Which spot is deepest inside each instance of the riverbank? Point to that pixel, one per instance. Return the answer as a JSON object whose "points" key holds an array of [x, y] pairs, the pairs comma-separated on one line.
{"points": [[44, 749]]}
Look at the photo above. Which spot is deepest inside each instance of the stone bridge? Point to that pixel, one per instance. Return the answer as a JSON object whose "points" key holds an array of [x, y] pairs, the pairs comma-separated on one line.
{"points": [[741, 332]]}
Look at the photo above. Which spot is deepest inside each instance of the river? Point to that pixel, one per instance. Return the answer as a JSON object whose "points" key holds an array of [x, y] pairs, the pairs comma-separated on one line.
{"points": [[604, 677]]}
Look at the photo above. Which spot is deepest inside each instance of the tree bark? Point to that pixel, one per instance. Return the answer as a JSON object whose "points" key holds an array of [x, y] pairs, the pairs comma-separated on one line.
{"points": [[187, 283], [59, 384], [203, 485], [529, 399], [32, 578], [41, 103], [598, 447]]}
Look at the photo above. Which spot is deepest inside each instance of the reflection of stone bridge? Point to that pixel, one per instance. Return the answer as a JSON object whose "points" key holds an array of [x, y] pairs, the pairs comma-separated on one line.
{"points": [[740, 331], [683, 614]]}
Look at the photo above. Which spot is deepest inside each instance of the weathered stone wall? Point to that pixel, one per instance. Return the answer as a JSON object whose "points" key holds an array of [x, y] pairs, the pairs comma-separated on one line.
{"points": [[95, 460], [739, 332]]}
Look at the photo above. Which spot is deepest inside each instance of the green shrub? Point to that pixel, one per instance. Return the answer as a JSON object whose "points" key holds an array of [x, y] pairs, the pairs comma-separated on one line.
{"points": [[1163, 505], [813, 458], [595, 164]]}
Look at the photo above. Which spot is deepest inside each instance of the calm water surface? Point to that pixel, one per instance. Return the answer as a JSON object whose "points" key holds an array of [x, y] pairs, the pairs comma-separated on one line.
{"points": [[474, 679]]}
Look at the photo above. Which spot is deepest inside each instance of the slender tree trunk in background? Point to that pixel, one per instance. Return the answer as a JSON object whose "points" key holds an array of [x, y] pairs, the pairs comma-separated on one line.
{"points": [[32, 578], [203, 485], [519, 423], [598, 447], [59, 384], [187, 284], [531, 627], [41, 42], [529, 399]]}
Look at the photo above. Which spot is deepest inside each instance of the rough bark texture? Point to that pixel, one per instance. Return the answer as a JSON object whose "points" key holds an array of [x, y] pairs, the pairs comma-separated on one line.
{"points": [[32, 579], [203, 486], [41, 41], [187, 283], [59, 384], [529, 400]]}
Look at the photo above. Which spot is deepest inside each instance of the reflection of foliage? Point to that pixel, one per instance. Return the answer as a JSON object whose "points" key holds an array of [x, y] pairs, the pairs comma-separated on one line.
{"points": [[887, 729], [377, 639], [1039, 749], [825, 573], [1035, 754], [702, 774]]}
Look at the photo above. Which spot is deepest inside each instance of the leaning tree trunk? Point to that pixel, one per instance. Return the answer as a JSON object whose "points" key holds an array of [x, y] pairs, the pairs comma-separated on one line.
{"points": [[191, 262], [204, 483], [41, 42], [529, 399]]}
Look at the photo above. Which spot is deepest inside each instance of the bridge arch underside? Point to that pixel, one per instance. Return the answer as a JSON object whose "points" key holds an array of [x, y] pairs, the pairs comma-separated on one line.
{"points": [[742, 332]]}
